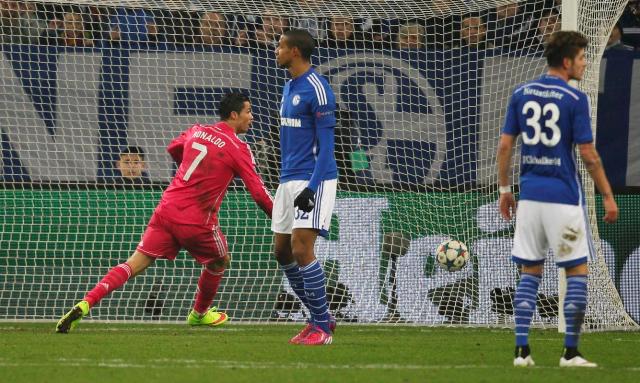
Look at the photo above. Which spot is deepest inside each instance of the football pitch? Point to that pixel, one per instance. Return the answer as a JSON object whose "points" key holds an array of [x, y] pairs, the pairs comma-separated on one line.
{"points": [[100, 352]]}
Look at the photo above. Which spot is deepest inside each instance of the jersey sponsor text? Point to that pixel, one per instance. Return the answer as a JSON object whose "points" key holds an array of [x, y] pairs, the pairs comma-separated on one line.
{"points": [[291, 122]]}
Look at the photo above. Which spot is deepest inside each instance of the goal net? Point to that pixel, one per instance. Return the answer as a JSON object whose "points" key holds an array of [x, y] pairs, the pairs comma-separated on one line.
{"points": [[93, 94]]}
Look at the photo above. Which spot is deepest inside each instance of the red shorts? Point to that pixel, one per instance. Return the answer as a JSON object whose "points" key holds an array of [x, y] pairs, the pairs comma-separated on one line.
{"points": [[164, 239]]}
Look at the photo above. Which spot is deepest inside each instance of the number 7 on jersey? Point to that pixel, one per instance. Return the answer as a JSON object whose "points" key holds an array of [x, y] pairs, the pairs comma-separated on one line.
{"points": [[203, 152]]}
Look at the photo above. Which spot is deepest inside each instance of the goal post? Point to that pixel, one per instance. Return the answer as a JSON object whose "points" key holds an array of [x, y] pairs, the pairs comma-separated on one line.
{"points": [[569, 23], [93, 94]]}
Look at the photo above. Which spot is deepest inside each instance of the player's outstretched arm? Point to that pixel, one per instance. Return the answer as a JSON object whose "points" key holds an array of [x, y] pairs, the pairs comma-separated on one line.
{"points": [[246, 169], [507, 202], [594, 166]]}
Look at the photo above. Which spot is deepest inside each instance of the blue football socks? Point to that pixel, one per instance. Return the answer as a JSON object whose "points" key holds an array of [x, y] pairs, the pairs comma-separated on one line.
{"points": [[575, 305], [524, 305], [314, 287], [294, 275]]}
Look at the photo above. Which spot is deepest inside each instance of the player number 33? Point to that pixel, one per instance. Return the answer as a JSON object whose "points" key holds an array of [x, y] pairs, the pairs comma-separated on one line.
{"points": [[551, 112]]}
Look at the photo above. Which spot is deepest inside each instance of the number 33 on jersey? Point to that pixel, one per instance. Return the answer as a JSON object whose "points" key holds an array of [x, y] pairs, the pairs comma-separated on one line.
{"points": [[551, 116]]}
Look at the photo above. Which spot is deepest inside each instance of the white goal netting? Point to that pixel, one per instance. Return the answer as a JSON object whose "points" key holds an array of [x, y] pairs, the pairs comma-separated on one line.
{"points": [[92, 94]]}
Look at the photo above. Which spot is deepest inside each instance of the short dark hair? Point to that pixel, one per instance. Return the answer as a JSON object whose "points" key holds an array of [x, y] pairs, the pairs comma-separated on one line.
{"points": [[231, 102], [564, 44], [133, 150], [301, 39]]}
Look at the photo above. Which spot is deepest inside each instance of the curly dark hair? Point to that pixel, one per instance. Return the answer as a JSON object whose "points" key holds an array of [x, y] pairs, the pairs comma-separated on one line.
{"points": [[564, 44]]}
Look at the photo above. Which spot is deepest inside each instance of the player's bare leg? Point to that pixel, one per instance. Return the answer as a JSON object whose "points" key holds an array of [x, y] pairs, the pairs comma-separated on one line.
{"points": [[114, 279], [302, 248], [208, 284], [282, 244], [139, 262], [302, 245]]}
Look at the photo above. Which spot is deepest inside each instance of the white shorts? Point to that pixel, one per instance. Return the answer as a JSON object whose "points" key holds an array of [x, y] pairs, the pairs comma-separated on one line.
{"points": [[286, 217], [543, 225]]}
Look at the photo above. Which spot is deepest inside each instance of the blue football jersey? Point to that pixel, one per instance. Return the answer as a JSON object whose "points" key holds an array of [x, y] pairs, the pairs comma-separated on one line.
{"points": [[307, 110], [552, 118]]}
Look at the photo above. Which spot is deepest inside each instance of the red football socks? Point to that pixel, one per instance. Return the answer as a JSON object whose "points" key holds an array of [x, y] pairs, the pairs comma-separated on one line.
{"points": [[207, 289], [114, 279]]}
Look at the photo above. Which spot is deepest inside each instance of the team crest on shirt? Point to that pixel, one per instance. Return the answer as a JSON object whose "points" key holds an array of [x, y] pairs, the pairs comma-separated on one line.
{"points": [[296, 100]]}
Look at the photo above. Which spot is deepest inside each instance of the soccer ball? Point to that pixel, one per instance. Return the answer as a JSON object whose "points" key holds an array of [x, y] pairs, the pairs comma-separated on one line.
{"points": [[452, 255]]}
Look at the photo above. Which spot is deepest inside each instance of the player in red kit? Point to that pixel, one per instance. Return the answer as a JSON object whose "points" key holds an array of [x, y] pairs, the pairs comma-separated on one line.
{"points": [[209, 157]]}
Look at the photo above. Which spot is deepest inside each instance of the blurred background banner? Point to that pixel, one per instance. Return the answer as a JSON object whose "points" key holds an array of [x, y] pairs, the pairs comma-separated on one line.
{"points": [[417, 120]]}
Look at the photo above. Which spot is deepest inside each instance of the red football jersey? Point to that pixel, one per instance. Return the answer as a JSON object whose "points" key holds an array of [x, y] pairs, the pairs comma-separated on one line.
{"points": [[209, 157]]}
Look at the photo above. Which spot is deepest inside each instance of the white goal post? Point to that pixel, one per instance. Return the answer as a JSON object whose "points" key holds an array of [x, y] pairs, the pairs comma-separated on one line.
{"points": [[421, 88]]}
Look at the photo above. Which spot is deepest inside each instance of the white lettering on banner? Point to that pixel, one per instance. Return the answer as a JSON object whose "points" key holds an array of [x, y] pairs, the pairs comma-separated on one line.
{"points": [[151, 99], [360, 231], [290, 122], [496, 270], [70, 153], [609, 258], [413, 286], [489, 219], [629, 286], [633, 140], [152, 119]]}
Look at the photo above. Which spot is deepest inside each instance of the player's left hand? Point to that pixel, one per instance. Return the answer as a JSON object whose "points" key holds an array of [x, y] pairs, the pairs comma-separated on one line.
{"points": [[305, 201], [610, 209], [507, 205]]}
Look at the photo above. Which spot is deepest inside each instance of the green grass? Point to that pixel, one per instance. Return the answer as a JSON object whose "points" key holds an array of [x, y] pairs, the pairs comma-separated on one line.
{"points": [[94, 352]]}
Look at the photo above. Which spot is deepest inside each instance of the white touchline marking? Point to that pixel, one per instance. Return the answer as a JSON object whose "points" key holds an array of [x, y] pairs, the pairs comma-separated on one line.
{"points": [[246, 365], [234, 364]]}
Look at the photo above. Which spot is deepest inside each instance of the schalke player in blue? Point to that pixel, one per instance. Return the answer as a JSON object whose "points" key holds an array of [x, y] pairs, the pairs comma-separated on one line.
{"points": [[308, 179], [552, 118]]}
